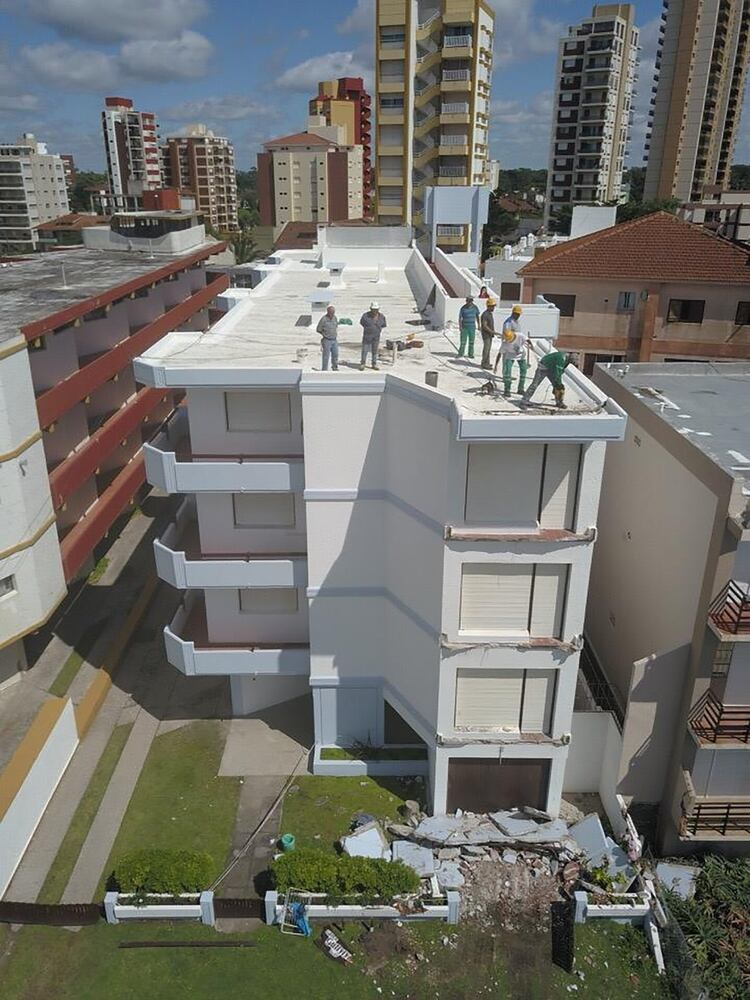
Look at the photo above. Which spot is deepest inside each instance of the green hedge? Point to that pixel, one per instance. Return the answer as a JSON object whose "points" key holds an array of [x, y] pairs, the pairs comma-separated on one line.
{"points": [[161, 871], [316, 871]]}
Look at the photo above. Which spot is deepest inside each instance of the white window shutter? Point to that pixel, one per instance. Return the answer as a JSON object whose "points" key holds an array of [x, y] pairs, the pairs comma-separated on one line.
{"points": [[538, 694], [550, 583], [258, 411], [503, 483], [560, 485], [495, 598], [488, 699]]}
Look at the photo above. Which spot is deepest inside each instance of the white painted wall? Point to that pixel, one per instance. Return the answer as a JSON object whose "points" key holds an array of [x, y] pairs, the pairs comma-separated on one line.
{"points": [[180, 241], [253, 694], [593, 760], [227, 623], [27, 808], [209, 434], [218, 532]]}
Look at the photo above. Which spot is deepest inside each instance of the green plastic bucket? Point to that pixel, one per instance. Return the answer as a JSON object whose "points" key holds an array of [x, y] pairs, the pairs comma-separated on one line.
{"points": [[287, 842]]}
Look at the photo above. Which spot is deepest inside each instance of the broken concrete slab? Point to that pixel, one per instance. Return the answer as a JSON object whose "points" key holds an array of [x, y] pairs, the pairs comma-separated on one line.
{"points": [[510, 857], [438, 828], [449, 853], [449, 875], [366, 841], [421, 859], [569, 812], [590, 837], [680, 879], [546, 833], [400, 830], [513, 824], [538, 814]]}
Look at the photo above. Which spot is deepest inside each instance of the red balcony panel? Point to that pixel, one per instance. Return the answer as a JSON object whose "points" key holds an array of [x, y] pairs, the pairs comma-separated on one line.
{"points": [[76, 468], [33, 330], [81, 540], [66, 394]]}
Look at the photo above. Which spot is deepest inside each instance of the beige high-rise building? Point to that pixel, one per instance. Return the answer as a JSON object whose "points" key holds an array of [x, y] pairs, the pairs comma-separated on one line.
{"points": [[203, 163], [32, 191], [433, 73], [701, 68], [596, 71]]}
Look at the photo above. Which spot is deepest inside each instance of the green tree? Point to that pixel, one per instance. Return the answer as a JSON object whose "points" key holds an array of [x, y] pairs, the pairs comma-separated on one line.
{"points": [[80, 196], [560, 220], [634, 209], [243, 246], [521, 179], [739, 177], [635, 176]]}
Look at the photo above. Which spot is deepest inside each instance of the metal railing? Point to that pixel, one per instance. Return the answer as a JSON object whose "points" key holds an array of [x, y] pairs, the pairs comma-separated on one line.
{"points": [[457, 41], [730, 610], [426, 121], [599, 687], [718, 817], [712, 720], [450, 230], [453, 171], [456, 74], [455, 109], [429, 20], [454, 140]]}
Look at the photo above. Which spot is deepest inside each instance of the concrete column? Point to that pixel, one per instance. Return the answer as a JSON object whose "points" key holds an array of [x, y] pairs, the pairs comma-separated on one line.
{"points": [[207, 908], [582, 902], [648, 323], [556, 778], [454, 906], [271, 900], [110, 900]]}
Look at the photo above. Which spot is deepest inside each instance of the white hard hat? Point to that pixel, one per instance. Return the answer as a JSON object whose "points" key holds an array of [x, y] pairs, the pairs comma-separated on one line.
{"points": [[374, 305]]}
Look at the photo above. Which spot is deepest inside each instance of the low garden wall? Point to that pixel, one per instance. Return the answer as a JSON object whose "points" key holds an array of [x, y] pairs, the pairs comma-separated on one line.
{"points": [[374, 768], [118, 906], [449, 911]]}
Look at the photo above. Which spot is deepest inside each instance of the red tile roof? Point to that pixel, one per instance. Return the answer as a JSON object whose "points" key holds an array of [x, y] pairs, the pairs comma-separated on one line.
{"points": [[73, 220], [300, 139], [656, 247]]}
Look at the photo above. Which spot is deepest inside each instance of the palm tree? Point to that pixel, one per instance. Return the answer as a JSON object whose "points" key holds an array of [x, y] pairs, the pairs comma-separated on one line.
{"points": [[243, 246]]}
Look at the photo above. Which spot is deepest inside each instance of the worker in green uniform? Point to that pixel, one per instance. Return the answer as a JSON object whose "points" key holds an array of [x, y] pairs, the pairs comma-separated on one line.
{"points": [[551, 366], [468, 316], [513, 348]]}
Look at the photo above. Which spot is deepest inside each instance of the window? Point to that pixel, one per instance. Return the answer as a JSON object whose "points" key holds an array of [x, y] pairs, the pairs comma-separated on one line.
{"points": [[514, 699], [510, 290], [268, 601], [625, 301], [722, 659], [513, 599], [263, 510], [565, 303], [258, 411], [742, 317], [685, 311], [7, 586]]}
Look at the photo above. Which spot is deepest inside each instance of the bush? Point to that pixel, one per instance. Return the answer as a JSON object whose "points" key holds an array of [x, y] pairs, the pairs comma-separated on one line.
{"points": [[316, 871], [161, 871]]}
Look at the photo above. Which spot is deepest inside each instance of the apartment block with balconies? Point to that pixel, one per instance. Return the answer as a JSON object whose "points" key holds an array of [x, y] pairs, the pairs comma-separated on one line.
{"points": [[595, 79], [196, 160], [669, 608], [433, 79], [33, 190]]}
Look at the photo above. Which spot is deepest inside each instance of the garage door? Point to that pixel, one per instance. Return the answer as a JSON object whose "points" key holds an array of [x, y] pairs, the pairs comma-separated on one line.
{"points": [[476, 784]]}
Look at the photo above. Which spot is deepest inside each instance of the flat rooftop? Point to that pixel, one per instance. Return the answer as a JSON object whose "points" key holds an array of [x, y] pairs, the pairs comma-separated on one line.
{"points": [[49, 282], [707, 402], [270, 329]]}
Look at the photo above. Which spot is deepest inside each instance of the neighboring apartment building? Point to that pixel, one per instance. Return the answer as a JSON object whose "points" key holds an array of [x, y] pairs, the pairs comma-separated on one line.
{"points": [[433, 77], [595, 76], [669, 607], [69, 167], [417, 556], [701, 69], [311, 176], [656, 288], [72, 416], [345, 102], [203, 163], [32, 191], [726, 213], [131, 143]]}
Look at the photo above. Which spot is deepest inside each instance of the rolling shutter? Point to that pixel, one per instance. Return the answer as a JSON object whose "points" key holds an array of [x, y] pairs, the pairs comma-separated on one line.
{"points": [[263, 510], [488, 698], [269, 600], [560, 485], [548, 600], [538, 694], [503, 482], [496, 598], [258, 411]]}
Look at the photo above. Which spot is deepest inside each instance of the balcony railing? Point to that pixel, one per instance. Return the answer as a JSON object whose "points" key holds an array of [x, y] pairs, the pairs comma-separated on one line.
{"points": [[712, 816], [456, 74], [450, 230], [453, 171], [457, 41], [715, 722], [454, 140], [455, 109], [730, 610]]}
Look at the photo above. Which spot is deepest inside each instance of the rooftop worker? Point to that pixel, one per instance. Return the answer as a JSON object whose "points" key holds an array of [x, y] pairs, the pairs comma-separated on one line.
{"points": [[328, 330], [487, 326], [468, 315], [513, 348], [552, 367], [372, 322]]}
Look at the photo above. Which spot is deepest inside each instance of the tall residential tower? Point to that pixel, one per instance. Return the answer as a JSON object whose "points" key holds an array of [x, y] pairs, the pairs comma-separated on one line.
{"points": [[701, 68], [345, 102], [433, 73], [131, 145], [203, 163], [596, 71], [32, 191]]}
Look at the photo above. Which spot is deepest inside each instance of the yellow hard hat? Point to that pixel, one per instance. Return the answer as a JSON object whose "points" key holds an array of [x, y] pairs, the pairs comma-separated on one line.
{"points": [[517, 310], [491, 302], [508, 335]]}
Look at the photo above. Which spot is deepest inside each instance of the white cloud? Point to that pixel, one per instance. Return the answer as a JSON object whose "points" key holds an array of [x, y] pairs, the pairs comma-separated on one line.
{"points": [[18, 103], [520, 130], [230, 107], [520, 32], [181, 58], [114, 20], [61, 65], [12, 98], [306, 75], [362, 18]]}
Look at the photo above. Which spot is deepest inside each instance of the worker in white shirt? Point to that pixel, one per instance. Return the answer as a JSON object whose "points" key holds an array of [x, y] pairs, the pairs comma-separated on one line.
{"points": [[513, 348]]}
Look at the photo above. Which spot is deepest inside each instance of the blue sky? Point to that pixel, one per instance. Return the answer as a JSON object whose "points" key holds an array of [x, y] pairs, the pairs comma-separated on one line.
{"points": [[246, 68]]}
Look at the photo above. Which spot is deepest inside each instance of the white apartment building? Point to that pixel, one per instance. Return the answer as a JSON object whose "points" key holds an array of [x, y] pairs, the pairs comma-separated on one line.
{"points": [[432, 81], [394, 541], [131, 144], [32, 190], [596, 72]]}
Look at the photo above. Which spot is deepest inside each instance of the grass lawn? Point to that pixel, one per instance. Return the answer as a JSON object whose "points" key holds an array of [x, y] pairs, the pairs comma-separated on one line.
{"points": [[180, 802], [325, 806], [43, 962], [99, 570], [61, 870], [379, 753]]}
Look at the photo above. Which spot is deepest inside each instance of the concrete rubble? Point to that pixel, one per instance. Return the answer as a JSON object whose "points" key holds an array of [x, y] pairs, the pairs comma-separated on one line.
{"points": [[367, 841]]}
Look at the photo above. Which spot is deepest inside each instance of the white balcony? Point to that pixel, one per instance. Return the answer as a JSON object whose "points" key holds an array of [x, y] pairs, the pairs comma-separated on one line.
{"points": [[174, 467], [457, 42], [181, 563], [189, 649]]}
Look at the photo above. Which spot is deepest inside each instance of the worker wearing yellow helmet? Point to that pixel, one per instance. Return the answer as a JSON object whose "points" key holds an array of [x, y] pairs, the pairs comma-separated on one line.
{"points": [[513, 348], [487, 326]]}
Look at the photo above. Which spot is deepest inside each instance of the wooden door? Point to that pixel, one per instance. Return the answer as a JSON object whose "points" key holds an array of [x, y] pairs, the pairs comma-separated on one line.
{"points": [[478, 784]]}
